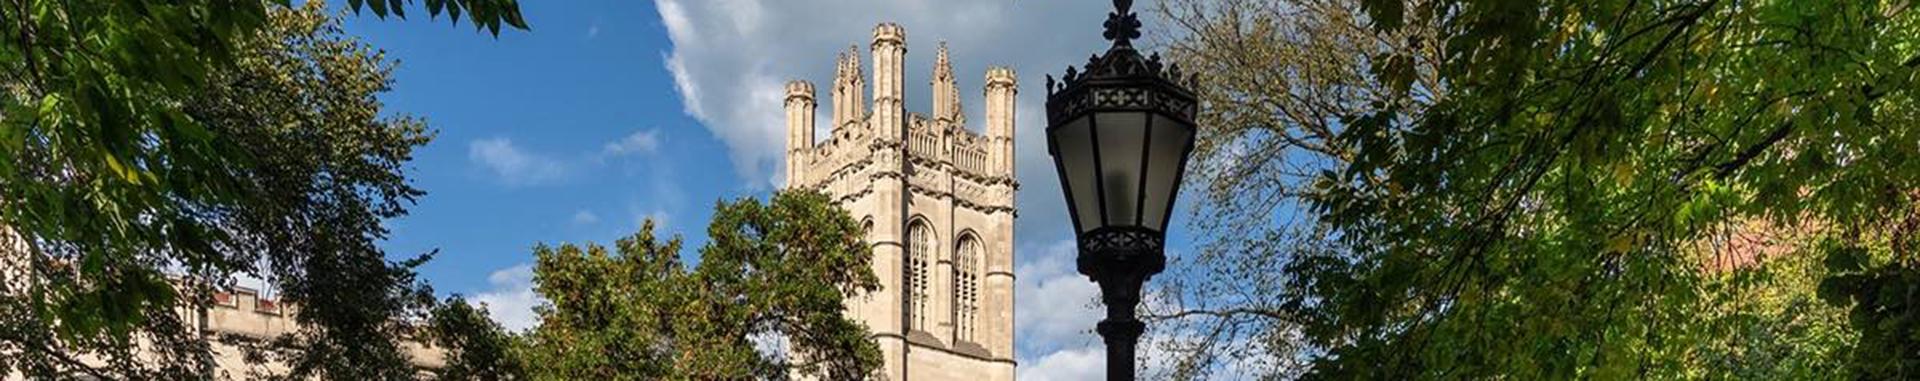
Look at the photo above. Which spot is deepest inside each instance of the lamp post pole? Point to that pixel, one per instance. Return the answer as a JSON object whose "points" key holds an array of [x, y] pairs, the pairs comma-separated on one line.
{"points": [[1120, 134], [1120, 261]]}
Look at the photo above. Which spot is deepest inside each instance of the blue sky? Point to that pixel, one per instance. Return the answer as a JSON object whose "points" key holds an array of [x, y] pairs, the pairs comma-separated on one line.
{"points": [[610, 112]]}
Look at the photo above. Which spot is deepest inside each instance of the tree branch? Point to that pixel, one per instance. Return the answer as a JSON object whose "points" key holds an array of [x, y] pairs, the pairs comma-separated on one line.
{"points": [[1228, 314], [1779, 133], [57, 355]]}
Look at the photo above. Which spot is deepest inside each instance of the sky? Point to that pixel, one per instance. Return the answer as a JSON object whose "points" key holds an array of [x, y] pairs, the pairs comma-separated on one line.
{"points": [[609, 113]]}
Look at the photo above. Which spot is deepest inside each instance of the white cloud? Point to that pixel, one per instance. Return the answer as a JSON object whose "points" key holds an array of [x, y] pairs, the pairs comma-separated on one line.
{"points": [[511, 299], [584, 217], [639, 142], [1055, 305], [1076, 364], [513, 166]]}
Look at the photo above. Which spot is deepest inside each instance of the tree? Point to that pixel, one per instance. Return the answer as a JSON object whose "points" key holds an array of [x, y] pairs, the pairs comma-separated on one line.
{"points": [[323, 170], [151, 150], [1530, 195], [607, 315], [476, 347], [1282, 77], [763, 302]]}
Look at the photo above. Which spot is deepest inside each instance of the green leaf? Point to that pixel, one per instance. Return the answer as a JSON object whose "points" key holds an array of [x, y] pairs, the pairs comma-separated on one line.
{"points": [[125, 172], [1387, 15], [1845, 259], [1840, 290]]}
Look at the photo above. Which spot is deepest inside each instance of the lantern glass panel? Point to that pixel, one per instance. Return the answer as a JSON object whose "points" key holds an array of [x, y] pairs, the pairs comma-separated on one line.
{"points": [[1169, 145], [1123, 142], [1073, 152]]}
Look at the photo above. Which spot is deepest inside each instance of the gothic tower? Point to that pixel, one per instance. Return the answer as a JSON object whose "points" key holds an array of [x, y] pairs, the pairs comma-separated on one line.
{"points": [[937, 201]]}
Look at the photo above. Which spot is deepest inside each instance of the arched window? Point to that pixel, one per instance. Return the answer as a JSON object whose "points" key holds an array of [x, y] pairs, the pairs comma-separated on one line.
{"points": [[966, 288], [920, 245]]}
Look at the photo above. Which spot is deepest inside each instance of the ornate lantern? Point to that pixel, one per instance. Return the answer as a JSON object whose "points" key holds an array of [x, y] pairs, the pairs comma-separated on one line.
{"points": [[1120, 134]]}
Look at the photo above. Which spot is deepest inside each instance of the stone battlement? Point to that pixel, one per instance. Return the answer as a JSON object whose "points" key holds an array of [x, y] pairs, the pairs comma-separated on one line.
{"points": [[889, 32], [1000, 76], [798, 88]]}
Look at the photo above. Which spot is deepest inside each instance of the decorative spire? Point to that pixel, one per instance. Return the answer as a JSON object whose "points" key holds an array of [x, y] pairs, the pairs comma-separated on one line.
{"points": [[946, 90], [839, 67], [942, 67], [848, 94], [850, 67], [853, 55]]}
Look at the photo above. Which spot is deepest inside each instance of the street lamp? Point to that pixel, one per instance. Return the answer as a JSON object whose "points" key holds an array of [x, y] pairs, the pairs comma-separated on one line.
{"points": [[1120, 134]]}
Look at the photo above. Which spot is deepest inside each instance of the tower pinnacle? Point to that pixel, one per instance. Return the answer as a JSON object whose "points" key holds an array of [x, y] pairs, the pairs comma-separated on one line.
{"points": [[946, 92]]}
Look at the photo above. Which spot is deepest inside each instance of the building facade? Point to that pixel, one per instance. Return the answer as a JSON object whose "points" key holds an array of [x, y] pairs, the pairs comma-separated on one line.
{"points": [[238, 315], [937, 202]]}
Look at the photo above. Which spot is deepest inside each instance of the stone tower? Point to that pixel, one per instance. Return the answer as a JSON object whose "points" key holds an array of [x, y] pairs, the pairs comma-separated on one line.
{"points": [[937, 201]]}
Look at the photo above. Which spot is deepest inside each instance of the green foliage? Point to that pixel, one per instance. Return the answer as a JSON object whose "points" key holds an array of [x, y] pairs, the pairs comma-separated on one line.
{"points": [[324, 169], [1767, 321], [1528, 189], [199, 139], [605, 312], [772, 273], [484, 14], [1885, 299], [1556, 194], [476, 347], [793, 261]]}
